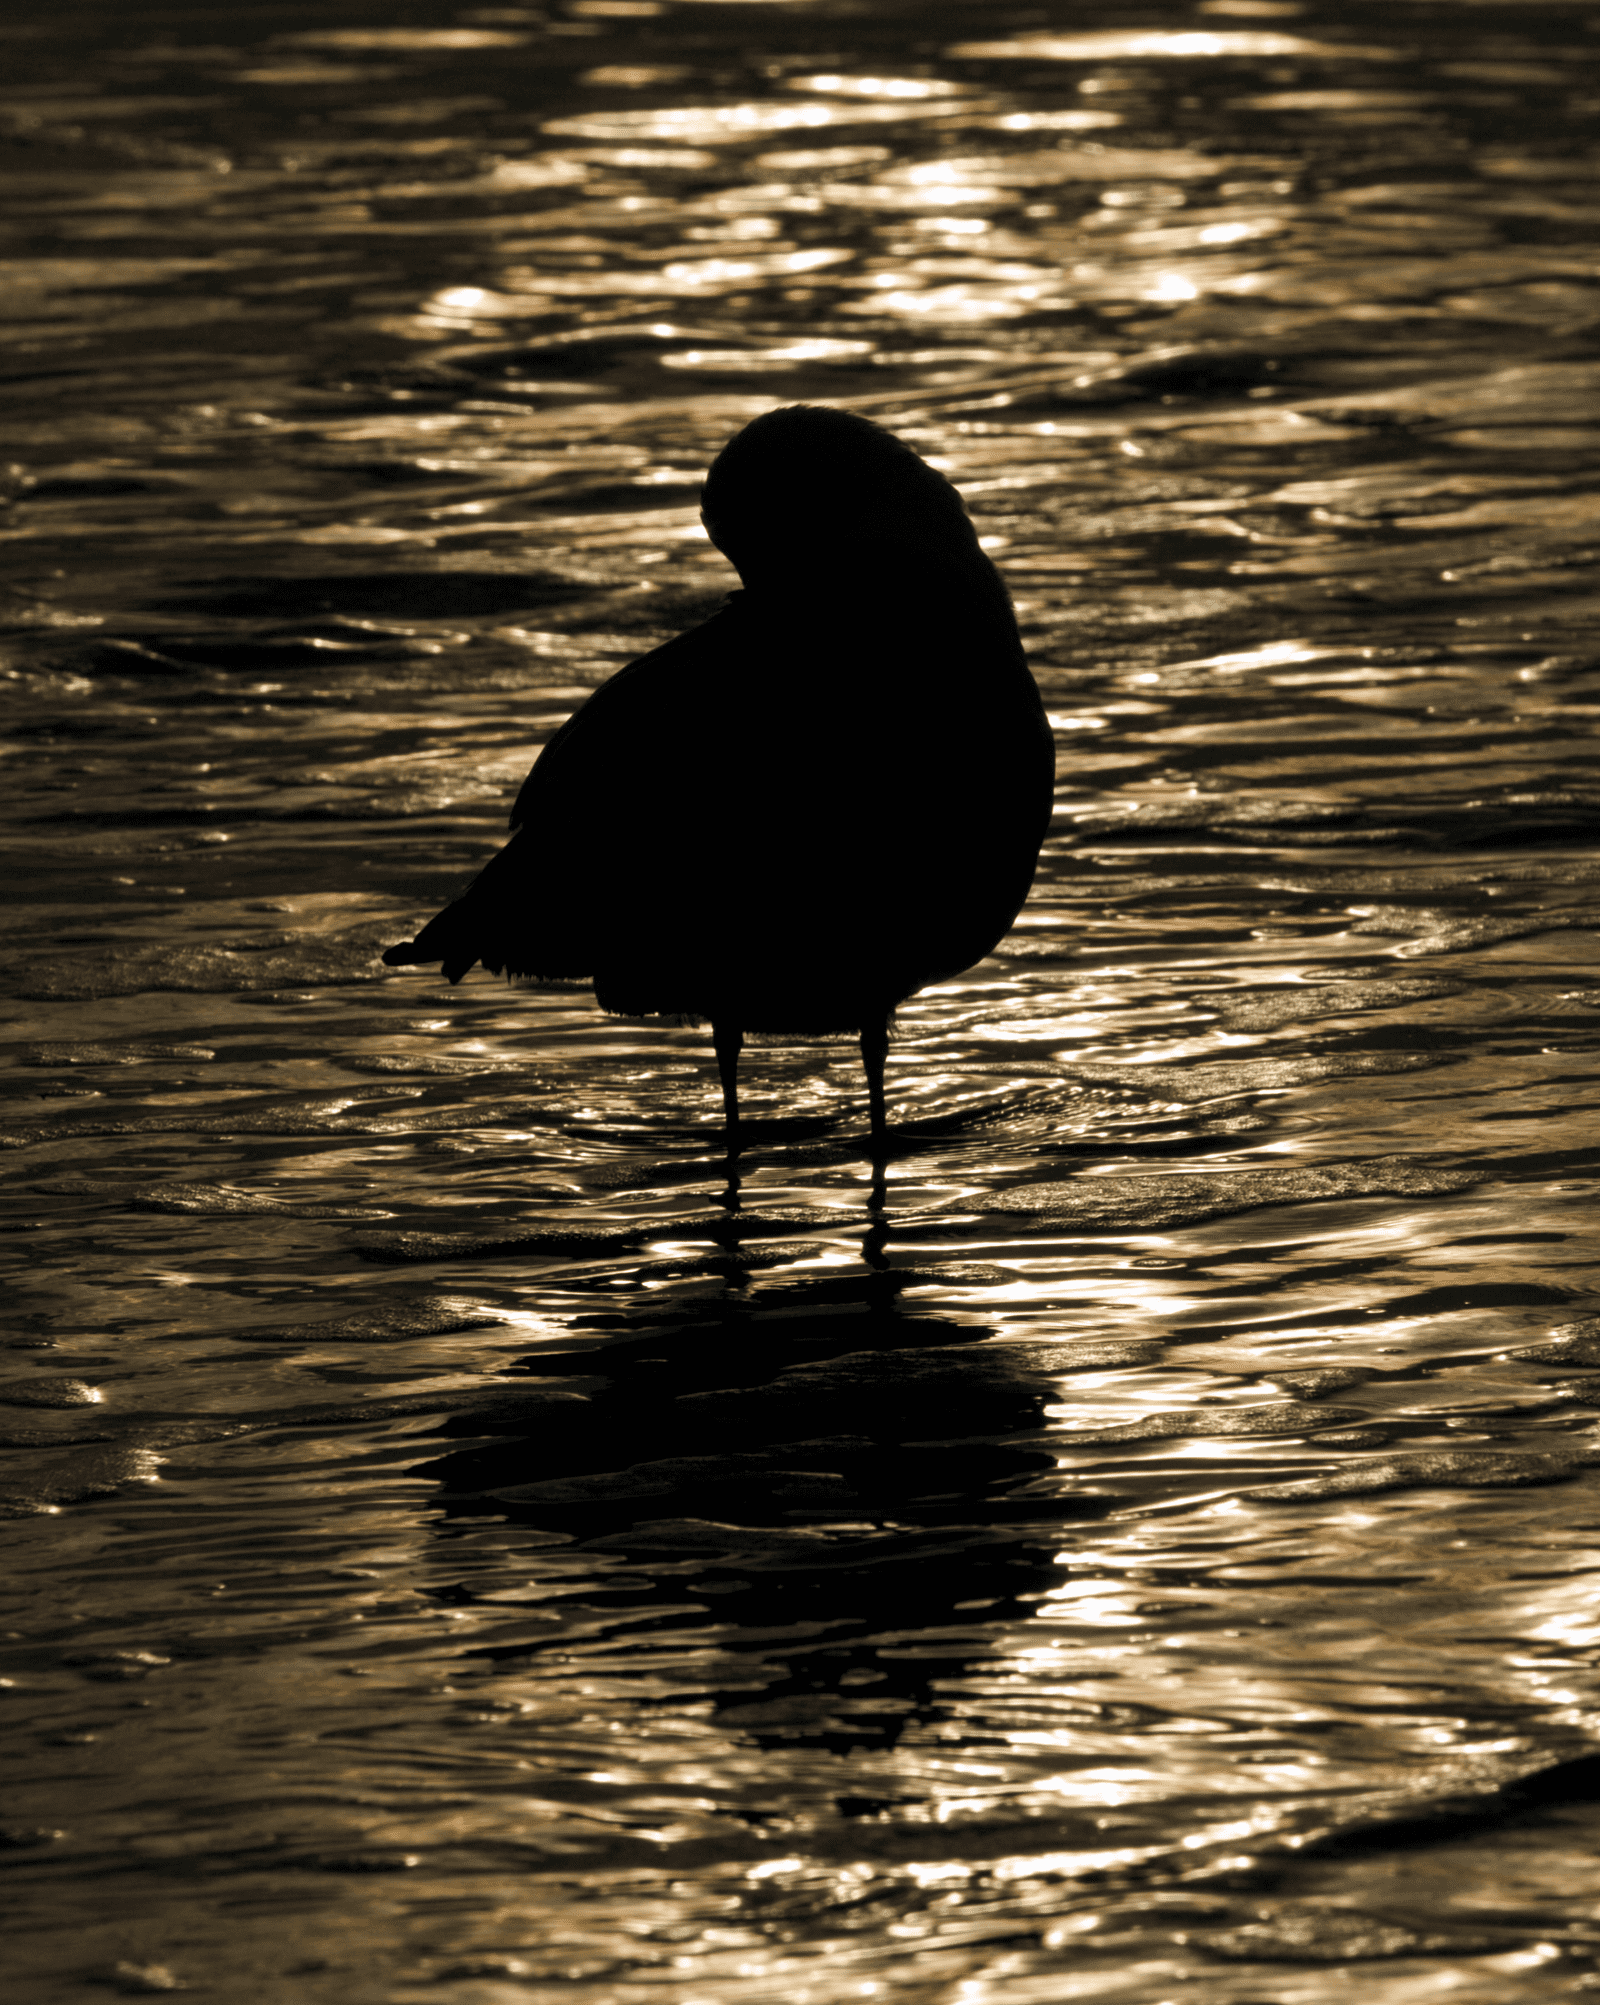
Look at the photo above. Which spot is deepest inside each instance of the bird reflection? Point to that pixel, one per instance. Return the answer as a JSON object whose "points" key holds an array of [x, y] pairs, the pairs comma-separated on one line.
{"points": [[798, 814]]}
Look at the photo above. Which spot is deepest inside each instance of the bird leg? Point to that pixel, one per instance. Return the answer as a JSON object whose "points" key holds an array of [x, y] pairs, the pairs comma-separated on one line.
{"points": [[728, 1041], [874, 1050]]}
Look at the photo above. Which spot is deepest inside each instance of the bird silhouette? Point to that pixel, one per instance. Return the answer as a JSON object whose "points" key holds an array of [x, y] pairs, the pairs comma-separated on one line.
{"points": [[792, 817]]}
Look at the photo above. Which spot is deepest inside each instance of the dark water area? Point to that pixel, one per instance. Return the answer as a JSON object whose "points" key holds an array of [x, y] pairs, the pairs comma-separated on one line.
{"points": [[455, 1557]]}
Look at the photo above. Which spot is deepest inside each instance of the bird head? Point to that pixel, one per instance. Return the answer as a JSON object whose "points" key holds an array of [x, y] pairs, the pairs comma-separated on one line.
{"points": [[807, 493]]}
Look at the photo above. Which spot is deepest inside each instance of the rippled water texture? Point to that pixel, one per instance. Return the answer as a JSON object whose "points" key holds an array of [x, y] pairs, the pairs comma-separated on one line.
{"points": [[454, 1557]]}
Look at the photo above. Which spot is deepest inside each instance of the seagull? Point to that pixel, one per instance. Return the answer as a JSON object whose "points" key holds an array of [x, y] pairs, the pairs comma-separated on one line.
{"points": [[795, 816]]}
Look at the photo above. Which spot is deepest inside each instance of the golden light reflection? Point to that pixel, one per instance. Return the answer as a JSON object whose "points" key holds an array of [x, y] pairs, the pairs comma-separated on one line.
{"points": [[758, 360], [776, 264], [550, 171], [955, 304], [1073, 1865], [1053, 121], [1091, 1602], [683, 159], [409, 39], [1337, 100], [938, 1873], [633, 76], [1238, 233], [1176, 44], [823, 159], [1062, 163], [878, 87], [1271, 654], [711, 125]]}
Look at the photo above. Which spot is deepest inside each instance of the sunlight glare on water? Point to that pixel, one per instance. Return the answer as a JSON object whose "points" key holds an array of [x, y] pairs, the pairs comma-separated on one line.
{"points": [[454, 1556]]}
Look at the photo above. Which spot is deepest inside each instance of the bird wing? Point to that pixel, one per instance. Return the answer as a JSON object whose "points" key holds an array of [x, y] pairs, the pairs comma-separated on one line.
{"points": [[590, 820]]}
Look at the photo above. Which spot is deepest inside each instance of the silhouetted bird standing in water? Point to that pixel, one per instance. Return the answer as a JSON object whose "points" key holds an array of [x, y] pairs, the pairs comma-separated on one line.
{"points": [[795, 816]]}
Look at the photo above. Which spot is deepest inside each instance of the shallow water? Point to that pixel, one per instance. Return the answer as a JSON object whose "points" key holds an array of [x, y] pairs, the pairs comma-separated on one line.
{"points": [[455, 1556]]}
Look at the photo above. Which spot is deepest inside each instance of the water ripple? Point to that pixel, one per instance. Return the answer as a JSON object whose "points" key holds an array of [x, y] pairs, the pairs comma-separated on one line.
{"points": [[521, 1559]]}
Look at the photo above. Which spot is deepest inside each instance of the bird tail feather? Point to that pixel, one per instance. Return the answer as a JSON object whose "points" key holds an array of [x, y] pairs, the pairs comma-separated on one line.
{"points": [[449, 937]]}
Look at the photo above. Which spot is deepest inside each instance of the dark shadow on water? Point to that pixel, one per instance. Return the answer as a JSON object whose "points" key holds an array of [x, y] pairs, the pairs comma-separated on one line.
{"points": [[823, 1464], [808, 1668]]}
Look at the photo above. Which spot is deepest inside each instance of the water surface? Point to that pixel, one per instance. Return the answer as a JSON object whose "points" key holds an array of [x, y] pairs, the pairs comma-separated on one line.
{"points": [[455, 1556]]}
